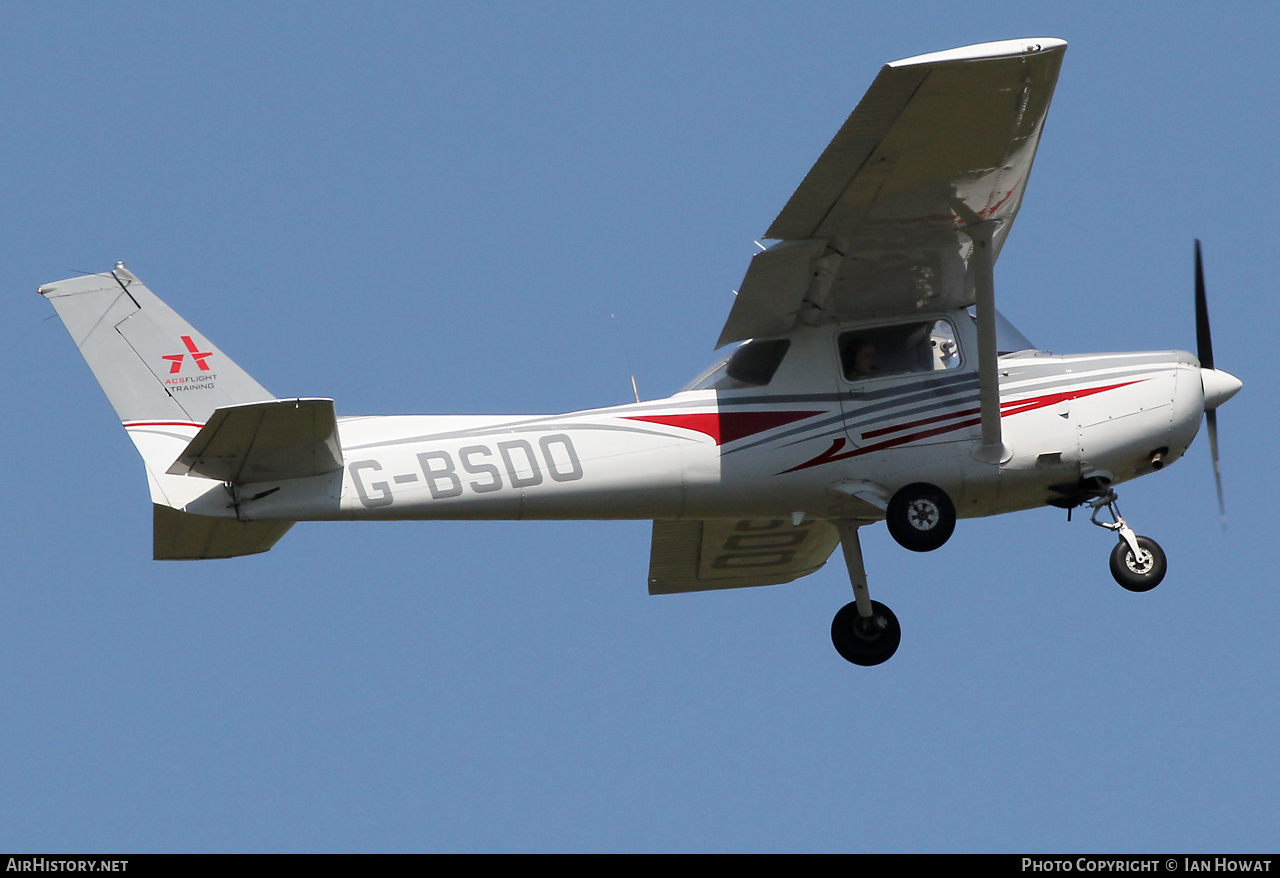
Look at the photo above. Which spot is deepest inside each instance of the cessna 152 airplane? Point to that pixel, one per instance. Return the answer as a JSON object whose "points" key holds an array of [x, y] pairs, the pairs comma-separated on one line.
{"points": [[874, 380]]}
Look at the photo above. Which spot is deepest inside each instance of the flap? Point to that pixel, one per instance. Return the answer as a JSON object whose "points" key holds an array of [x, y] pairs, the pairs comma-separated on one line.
{"points": [[773, 291], [259, 441]]}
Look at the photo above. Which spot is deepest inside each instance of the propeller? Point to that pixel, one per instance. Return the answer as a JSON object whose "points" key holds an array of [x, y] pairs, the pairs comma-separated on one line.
{"points": [[1218, 386]]}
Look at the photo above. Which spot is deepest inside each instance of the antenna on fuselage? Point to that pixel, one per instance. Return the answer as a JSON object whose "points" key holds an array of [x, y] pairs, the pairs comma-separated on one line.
{"points": [[627, 356]]}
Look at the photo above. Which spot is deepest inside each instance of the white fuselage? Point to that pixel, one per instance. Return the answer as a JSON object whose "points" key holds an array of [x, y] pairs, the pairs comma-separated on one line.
{"points": [[811, 441]]}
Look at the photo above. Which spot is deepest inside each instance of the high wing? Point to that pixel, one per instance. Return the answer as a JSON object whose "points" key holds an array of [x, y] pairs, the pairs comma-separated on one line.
{"points": [[882, 224]]}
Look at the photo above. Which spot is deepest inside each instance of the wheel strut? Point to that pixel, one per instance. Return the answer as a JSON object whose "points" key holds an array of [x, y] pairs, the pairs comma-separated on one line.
{"points": [[1118, 525], [1137, 563], [864, 632], [852, 548]]}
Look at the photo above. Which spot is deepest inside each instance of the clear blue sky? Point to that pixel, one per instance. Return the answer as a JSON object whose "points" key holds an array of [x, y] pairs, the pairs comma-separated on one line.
{"points": [[435, 208]]}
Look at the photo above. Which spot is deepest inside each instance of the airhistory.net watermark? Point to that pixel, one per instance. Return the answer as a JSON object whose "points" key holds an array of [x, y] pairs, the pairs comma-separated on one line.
{"points": [[40, 864]]}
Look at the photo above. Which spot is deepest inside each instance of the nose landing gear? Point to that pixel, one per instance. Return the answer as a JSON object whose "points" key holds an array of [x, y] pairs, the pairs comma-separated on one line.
{"points": [[1137, 563]]}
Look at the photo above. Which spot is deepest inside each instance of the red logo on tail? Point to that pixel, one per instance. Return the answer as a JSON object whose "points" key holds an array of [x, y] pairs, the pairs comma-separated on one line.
{"points": [[200, 358]]}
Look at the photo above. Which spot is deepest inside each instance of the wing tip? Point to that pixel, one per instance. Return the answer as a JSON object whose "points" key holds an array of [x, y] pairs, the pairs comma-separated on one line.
{"points": [[981, 51]]}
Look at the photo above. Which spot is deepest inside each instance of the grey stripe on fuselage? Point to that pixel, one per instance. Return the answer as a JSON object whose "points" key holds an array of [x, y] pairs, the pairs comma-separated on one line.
{"points": [[501, 430], [881, 413], [184, 437], [875, 414]]}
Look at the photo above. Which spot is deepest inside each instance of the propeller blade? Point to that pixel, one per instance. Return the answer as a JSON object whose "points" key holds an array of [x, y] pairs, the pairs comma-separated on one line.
{"points": [[1204, 350], [1211, 420], [1204, 343]]}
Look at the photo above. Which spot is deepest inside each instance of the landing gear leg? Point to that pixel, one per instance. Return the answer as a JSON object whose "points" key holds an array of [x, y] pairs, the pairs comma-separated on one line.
{"points": [[864, 632], [1137, 563]]}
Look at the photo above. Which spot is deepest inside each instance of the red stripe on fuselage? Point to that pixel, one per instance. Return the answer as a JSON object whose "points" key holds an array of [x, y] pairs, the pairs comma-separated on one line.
{"points": [[1012, 407], [726, 426], [128, 424]]}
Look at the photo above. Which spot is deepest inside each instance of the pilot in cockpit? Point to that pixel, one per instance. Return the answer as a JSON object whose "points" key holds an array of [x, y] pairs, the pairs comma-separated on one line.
{"points": [[864, 358]]}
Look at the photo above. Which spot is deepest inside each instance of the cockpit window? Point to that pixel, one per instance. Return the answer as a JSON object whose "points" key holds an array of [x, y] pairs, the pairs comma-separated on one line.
{"points": [[753, 364], [893, 350]]}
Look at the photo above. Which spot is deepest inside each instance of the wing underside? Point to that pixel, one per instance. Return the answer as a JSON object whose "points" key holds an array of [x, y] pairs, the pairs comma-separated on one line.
{"points": [[940, 143], [711, 554]]}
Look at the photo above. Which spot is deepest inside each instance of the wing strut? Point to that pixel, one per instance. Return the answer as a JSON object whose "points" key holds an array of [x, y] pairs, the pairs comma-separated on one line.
{"points": [[982, 264]]}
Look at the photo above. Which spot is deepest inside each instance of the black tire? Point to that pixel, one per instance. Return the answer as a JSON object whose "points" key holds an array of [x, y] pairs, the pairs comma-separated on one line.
{"points": [[866, 642], [921, 517], [1141, 574]]}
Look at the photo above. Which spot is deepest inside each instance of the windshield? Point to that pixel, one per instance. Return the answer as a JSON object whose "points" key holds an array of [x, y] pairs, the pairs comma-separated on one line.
{"points": [[707, 378], [1008, 339]]}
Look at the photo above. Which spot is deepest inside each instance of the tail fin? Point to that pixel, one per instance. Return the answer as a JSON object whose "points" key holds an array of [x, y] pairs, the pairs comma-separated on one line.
{"points": [[165, 380], [152, 364]]}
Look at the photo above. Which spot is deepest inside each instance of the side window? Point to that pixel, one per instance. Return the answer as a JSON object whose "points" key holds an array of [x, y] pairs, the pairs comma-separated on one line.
{"points": [[751, 365], [755, 362], [894, 350]]}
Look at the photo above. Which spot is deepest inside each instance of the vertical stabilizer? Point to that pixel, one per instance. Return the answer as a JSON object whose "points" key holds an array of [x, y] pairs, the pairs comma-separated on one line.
{"points": [[152, 364]]}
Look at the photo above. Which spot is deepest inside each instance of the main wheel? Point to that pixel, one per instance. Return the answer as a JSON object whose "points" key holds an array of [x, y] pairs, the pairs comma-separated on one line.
{"points": [[862, 641], [1142, 573], [921, 517]]}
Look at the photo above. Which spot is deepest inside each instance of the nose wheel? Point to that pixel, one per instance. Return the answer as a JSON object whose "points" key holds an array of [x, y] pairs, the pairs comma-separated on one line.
{"points": [[1137, 563], [1140, 571]]}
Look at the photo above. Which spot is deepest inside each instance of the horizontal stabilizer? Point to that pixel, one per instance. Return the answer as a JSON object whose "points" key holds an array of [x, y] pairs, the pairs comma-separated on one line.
{"points": [[703, 555], [260, 441], [181, 536]]}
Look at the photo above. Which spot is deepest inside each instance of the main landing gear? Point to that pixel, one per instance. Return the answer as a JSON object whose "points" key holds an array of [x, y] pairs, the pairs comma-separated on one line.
{"points": [[921, 517], [866, 640], [1137, 563], [864, 632]]}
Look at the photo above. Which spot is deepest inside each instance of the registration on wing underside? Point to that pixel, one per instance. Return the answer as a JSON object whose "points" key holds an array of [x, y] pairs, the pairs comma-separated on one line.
{"points": [[712, 554]]}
